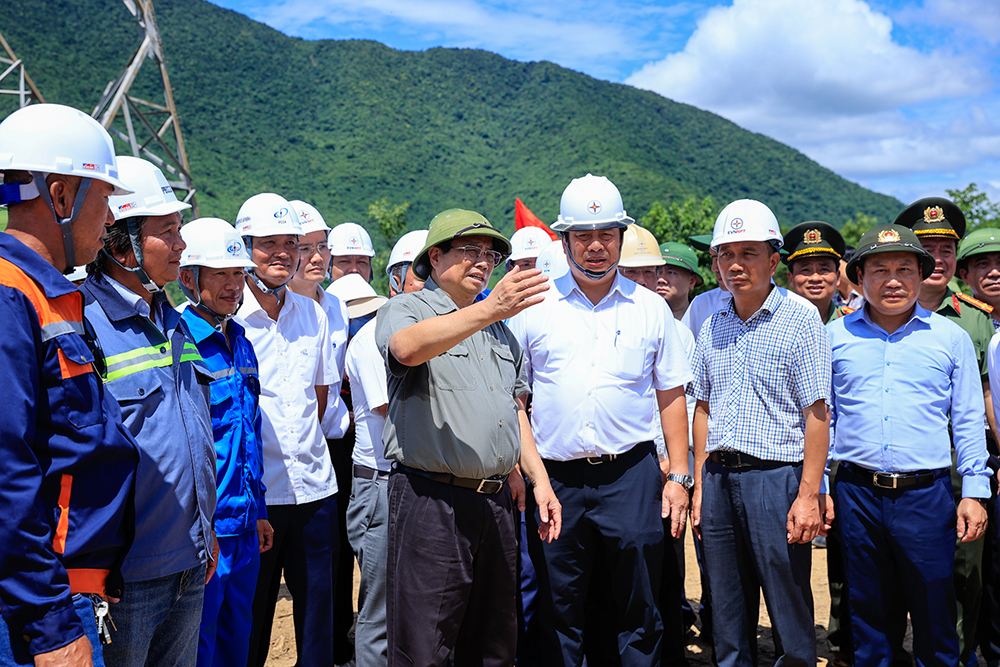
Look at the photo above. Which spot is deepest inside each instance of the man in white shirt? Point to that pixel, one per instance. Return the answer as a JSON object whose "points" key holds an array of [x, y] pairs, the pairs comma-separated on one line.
{"points": [[595, 350], [368, 510], [297, 365]]}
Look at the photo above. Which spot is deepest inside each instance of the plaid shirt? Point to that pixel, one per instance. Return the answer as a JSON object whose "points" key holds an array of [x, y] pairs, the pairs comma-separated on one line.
{"points": [[758, 376]]}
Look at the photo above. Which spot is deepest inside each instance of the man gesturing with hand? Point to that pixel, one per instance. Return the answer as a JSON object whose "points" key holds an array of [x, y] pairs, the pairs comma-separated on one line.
{"points": [[453, 430]]}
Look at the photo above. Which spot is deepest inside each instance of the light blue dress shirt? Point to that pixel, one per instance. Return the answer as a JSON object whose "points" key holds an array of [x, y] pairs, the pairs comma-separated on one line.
{"points": [[893, 395]]}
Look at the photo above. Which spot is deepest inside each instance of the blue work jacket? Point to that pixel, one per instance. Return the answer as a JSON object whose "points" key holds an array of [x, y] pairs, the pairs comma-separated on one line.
{"points": [[67, 465], [236, 419], [161, 383]]}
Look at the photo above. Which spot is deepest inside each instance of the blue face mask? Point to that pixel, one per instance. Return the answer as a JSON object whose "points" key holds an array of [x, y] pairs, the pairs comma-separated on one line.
{"points": [[358, 322]]}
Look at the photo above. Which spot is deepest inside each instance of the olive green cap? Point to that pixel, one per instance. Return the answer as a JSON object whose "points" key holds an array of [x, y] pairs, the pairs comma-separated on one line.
{"points": [[889, 238], [701, 242], [678, 254], [979, 242], [809, 239], [452, 224], [933, 216]]}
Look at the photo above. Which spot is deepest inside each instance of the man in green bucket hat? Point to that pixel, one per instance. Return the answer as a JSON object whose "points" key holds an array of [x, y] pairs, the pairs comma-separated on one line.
{"points": [[678, 276], [454, 432]]}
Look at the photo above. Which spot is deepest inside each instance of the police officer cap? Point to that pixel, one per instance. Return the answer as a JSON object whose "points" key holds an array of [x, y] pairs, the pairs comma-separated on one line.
{"points": [[933, 216], [889, 238], [810, 239], [978, 242]]}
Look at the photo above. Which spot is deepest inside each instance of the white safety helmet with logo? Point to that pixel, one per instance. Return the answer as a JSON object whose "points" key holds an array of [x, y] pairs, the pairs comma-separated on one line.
{"points": [[403, 253], [350, 238], [590, 203], [552, 262], [211, 243], [151, 196], [746, 220], [527, 242], [267, 214], [310, 219], [44, 139]]}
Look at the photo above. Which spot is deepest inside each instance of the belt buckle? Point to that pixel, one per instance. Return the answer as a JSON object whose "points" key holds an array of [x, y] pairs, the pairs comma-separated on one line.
{"points": [[877, 476], [598, 460], [490, 486]]}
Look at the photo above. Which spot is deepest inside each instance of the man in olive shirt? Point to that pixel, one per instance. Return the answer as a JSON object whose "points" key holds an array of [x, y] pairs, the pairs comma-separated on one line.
{"points": [[455, 431]]}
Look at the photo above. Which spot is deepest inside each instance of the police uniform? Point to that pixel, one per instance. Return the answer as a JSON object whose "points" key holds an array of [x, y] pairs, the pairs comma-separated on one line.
{"points": [[937, 217]]}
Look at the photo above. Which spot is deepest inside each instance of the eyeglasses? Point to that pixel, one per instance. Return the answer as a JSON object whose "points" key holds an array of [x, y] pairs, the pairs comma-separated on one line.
{"points": [[474, 254], [635, 274], [310, 250]]}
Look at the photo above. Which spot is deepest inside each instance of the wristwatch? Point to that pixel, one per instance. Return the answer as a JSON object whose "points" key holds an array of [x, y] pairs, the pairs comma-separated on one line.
{"points": [[687, 481]]}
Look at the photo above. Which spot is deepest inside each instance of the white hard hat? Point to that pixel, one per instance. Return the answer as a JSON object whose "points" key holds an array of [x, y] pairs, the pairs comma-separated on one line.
{"points": [[552, 261], [151, 195], [350, 238], [309, 218], [56, 139], [589, 203], [267, 214], [78, 273], [746, 220], [528, 242], [357, 294], [214, 243], [407, 248], [639, 248]]}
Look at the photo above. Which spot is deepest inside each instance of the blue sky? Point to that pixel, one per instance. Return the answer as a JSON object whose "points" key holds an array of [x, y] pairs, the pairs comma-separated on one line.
{"points": [[899, 96]]}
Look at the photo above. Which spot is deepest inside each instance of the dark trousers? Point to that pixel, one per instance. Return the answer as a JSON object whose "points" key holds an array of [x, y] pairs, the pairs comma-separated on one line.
{"points": [[838, 629], [673, 601], [306, 544], [611, 519], [452, 579], [343, 573], [743, 527], [899, 547], [989, 612]]}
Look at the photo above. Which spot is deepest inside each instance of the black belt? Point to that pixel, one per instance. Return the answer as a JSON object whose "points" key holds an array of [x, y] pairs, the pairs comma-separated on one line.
{"points": [[364, 472], [625, 458], [875, 479], [489, 486], [739, 461]]}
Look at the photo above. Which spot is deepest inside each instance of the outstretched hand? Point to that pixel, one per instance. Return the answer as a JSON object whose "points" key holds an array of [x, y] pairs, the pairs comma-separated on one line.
{"points": [[516, 291]]}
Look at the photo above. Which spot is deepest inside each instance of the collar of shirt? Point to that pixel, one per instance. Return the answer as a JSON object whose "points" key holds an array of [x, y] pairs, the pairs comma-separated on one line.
{"points": [[438, 299], [566, 286], [48, 278], [121, 303], [199, 329], [252, 306], [771, 303], [920, 317]]}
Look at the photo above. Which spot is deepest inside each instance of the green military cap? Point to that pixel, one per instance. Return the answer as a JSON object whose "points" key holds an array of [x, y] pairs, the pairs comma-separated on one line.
{"points": [[452, 224], [933, 216], [701, 242], [813, 238], [889, 238], [678, 254], [979, 242]]}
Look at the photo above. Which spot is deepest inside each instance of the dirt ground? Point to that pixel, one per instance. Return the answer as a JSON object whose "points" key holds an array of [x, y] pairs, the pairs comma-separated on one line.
{"points": [[282, 653]]}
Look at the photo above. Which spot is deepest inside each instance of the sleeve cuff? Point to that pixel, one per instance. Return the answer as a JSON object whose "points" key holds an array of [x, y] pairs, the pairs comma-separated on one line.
{"points": [[976, 486]]}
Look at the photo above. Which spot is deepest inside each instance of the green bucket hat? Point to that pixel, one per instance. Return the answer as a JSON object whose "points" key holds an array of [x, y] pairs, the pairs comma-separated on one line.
{"points": [[452, 224], [678, 254], [979, 242], [889, 238], [701, 242]]}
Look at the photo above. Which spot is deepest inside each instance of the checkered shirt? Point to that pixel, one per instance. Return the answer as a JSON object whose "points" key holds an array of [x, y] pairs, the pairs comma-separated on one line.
{"points": [[758, 376]]}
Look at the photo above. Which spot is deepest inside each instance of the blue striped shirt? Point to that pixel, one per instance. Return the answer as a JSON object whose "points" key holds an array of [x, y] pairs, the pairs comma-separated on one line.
{"points": [[758, 376]]}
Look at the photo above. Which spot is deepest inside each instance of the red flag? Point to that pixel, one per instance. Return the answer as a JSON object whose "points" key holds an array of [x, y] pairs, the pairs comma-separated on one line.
{"points": [[525, 218]]}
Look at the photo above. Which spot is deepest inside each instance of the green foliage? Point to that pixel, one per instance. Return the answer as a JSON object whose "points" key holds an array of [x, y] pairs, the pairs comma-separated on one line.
{"points": [[856, 226], [344, 123], [979, 210], [681, 220], [3, 218], [390, 220]]}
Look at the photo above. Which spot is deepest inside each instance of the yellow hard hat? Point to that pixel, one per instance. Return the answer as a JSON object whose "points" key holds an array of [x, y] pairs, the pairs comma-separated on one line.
{"points": [[639, 248]]}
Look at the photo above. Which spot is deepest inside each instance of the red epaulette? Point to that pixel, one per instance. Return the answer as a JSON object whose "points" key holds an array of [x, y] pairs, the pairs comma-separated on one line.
{"points": [[981, 305], [847, 310]]}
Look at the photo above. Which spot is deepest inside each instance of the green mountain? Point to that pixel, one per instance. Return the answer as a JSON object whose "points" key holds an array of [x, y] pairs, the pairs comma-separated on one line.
{"points": [[343, 123]]}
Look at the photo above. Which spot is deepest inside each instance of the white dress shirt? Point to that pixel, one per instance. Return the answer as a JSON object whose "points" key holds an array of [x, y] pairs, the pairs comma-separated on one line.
{"points": [[366, 372], [336, 419], [294, 356], [593, 369], [708, 303]]}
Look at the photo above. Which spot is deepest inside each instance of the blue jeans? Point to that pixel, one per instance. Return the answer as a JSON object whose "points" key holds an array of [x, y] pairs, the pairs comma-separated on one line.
{"points": [[743, 517], [227, 617], [14, 650], [368, 531], [158, 621]]}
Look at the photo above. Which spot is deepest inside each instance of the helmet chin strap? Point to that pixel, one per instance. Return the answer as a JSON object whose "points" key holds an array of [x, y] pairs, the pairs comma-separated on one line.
{"points": [[248, 242], [197, 303], [65, 224], [139, 272], [593, 275]]}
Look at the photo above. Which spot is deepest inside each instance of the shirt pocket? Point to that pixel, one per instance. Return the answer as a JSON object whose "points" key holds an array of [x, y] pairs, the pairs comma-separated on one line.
{"points": [[222, 395], [307, 360], [629, 358], [505, 366], [78, 389], [453, 370], [136, 387]]}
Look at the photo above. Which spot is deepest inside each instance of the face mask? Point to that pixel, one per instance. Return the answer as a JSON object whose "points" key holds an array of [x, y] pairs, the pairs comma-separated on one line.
{"points": [[358, 322]]}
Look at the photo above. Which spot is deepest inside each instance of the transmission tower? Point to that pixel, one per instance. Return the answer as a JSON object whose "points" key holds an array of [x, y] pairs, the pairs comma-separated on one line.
{"points": [[15, 75], [152, 130]]}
